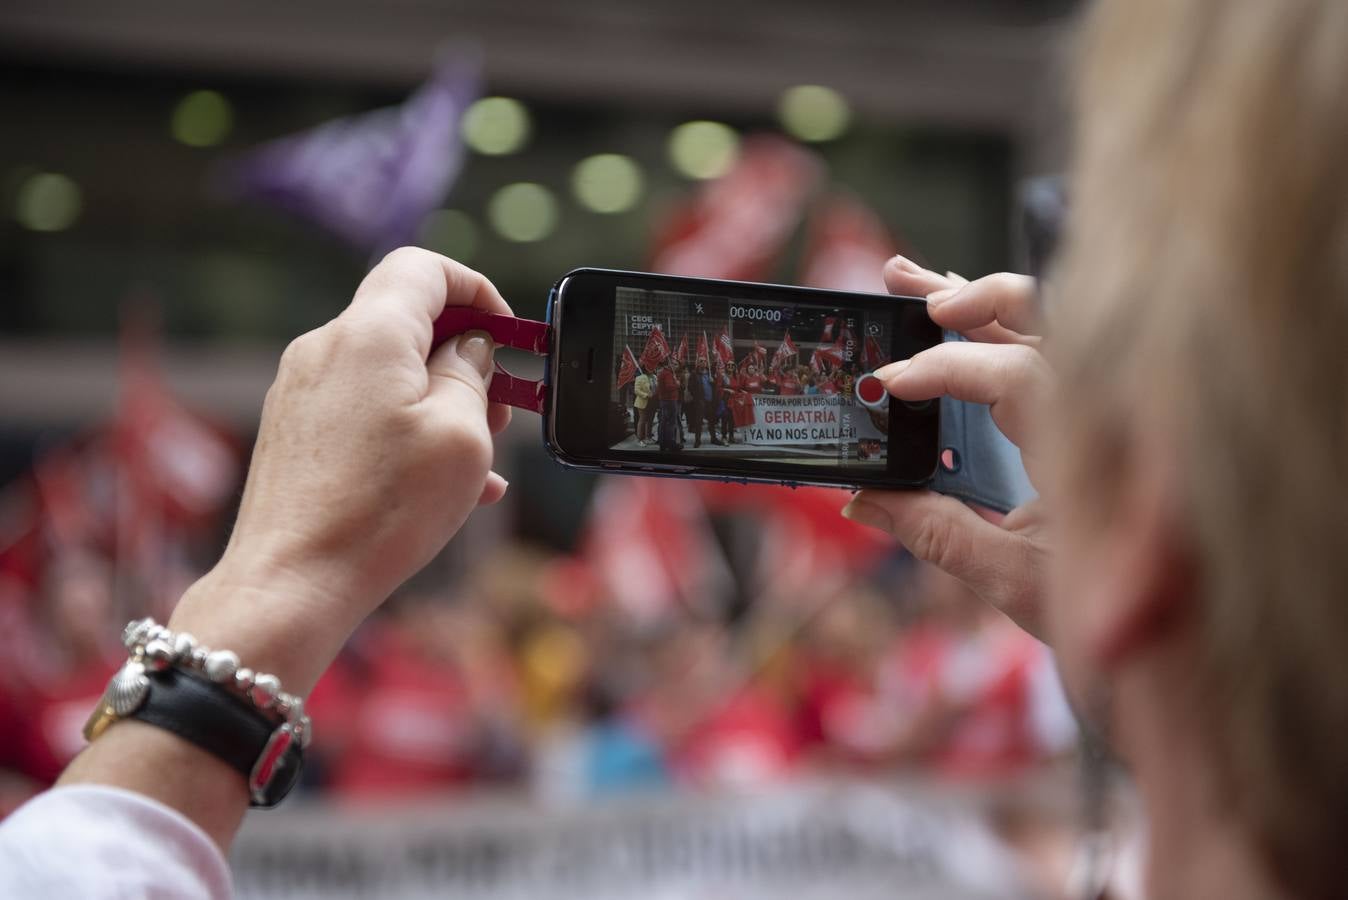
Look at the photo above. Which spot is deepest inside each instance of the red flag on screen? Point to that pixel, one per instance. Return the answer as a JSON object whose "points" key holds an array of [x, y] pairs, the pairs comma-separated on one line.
{"points": [[874, 356], [657, 350], [681, 354], [829, 324], [760, 355], [785, 350], [628, 370], [827, 353], [702, 356], [724, 348]]}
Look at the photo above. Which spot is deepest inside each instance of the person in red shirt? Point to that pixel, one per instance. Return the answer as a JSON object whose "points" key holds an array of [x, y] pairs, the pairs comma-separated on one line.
{"points": [[667, 390], [788, 385], [727, 382], [751, 380]]}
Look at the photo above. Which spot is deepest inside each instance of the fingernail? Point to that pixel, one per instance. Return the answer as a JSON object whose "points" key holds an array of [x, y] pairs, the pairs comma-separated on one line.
{"points": [[891, 370], [476, 347], [868, 514], [905, 264], [941, 296]]}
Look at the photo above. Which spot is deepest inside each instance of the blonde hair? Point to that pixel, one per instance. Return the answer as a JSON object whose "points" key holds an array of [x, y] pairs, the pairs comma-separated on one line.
{"points": [[1204, 291]]}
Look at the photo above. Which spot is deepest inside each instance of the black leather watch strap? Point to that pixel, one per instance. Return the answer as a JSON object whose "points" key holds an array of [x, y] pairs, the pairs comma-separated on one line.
{"points": [[226, 726]]}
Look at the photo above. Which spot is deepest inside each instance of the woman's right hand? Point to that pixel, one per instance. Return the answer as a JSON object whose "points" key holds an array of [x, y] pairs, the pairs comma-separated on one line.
{"points": [[1000, 558]]}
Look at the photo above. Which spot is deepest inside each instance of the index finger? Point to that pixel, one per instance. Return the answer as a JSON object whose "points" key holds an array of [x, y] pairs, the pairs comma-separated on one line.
{"points": [[1003, 299], [411, 287], [1010, 378]]}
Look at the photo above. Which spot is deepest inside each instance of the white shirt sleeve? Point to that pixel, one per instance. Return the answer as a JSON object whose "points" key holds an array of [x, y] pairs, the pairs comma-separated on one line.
{"points": [[98, 841]]}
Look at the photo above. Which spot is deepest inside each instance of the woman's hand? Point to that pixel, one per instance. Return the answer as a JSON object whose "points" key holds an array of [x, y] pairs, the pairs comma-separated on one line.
{"points": [[1002, 561], [371, 453]]}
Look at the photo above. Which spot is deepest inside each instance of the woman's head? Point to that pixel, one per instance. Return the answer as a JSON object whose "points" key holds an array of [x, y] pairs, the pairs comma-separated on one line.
{"points": [[1200, 329]]}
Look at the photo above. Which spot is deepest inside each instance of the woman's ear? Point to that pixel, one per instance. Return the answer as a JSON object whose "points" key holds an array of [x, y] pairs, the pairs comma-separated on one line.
{"points": [[1150, 565]]}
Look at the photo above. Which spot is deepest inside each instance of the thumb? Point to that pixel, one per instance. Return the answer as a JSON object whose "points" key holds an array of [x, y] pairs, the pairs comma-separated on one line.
{"points": [[950, 535], [460, 371]]}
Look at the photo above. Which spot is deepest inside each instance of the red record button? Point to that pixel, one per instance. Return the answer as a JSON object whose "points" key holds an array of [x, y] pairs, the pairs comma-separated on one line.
{"points": [[871, 391]]}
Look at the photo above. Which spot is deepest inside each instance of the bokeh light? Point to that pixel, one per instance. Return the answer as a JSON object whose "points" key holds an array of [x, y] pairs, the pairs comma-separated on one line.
{"points": [[202, 119], [523, 212], [496, 126], [607, 182], [451, 232], [47, 201], [812, 112], [703, 149]]}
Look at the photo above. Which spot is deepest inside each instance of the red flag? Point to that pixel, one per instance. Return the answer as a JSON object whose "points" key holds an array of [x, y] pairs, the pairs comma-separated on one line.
{"points": [[847, 247], [829, 324], [657, 350], [724, 348], [702, 353], [628, 370], [874, 356], [827, 353], [760, 355], [737, 225], [785, 350], [681, 354]]}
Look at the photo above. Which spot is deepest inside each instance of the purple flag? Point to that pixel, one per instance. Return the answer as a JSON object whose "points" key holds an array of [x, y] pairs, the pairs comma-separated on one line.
{"points": [[370, 178]]}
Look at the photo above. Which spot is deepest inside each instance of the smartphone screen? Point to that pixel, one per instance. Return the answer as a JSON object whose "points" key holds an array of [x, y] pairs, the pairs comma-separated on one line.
{"points": [[697, 377]]}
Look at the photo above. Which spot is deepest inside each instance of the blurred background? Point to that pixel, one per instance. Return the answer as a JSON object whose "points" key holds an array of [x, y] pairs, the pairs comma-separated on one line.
{"points": [[611, 688]]}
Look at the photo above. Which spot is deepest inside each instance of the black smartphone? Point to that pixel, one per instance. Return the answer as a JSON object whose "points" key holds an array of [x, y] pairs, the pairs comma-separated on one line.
{"points": [[698, 378]]}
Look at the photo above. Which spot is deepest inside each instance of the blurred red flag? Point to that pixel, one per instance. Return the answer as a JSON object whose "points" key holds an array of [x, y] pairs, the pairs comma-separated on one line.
{"points": [[628, 370], [847, 248], [650, 542], [681, 354], [702, 354], [738, 224]]}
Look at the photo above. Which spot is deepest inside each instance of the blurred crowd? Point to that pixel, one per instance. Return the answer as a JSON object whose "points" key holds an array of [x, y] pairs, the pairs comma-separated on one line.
{"points": [[535, 671]]}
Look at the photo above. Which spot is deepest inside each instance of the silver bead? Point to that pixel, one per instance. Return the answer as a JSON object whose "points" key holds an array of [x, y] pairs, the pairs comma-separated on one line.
{"points": [[134, 633], [157, 633], [283, 703], [243, 679], [221, 665], [158, 655], [265, 690], [295, 714], [199, 654], [183, 645]]}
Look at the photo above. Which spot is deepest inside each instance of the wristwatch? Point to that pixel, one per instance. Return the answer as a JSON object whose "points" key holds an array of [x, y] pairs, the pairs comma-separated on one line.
{"points": [[204, 697]]}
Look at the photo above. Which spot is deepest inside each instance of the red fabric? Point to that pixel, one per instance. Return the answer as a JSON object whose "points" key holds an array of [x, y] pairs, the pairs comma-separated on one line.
{"points": [[50, 719], [790, 386], [702, 352], [742, 408], [681, 354], [725, 351], [846, 247], [408, 723], [629, 369], [994, 733], [738, 224], [826, 386], [667, 386], [750, 739], [751, 383], [656, 351]]}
